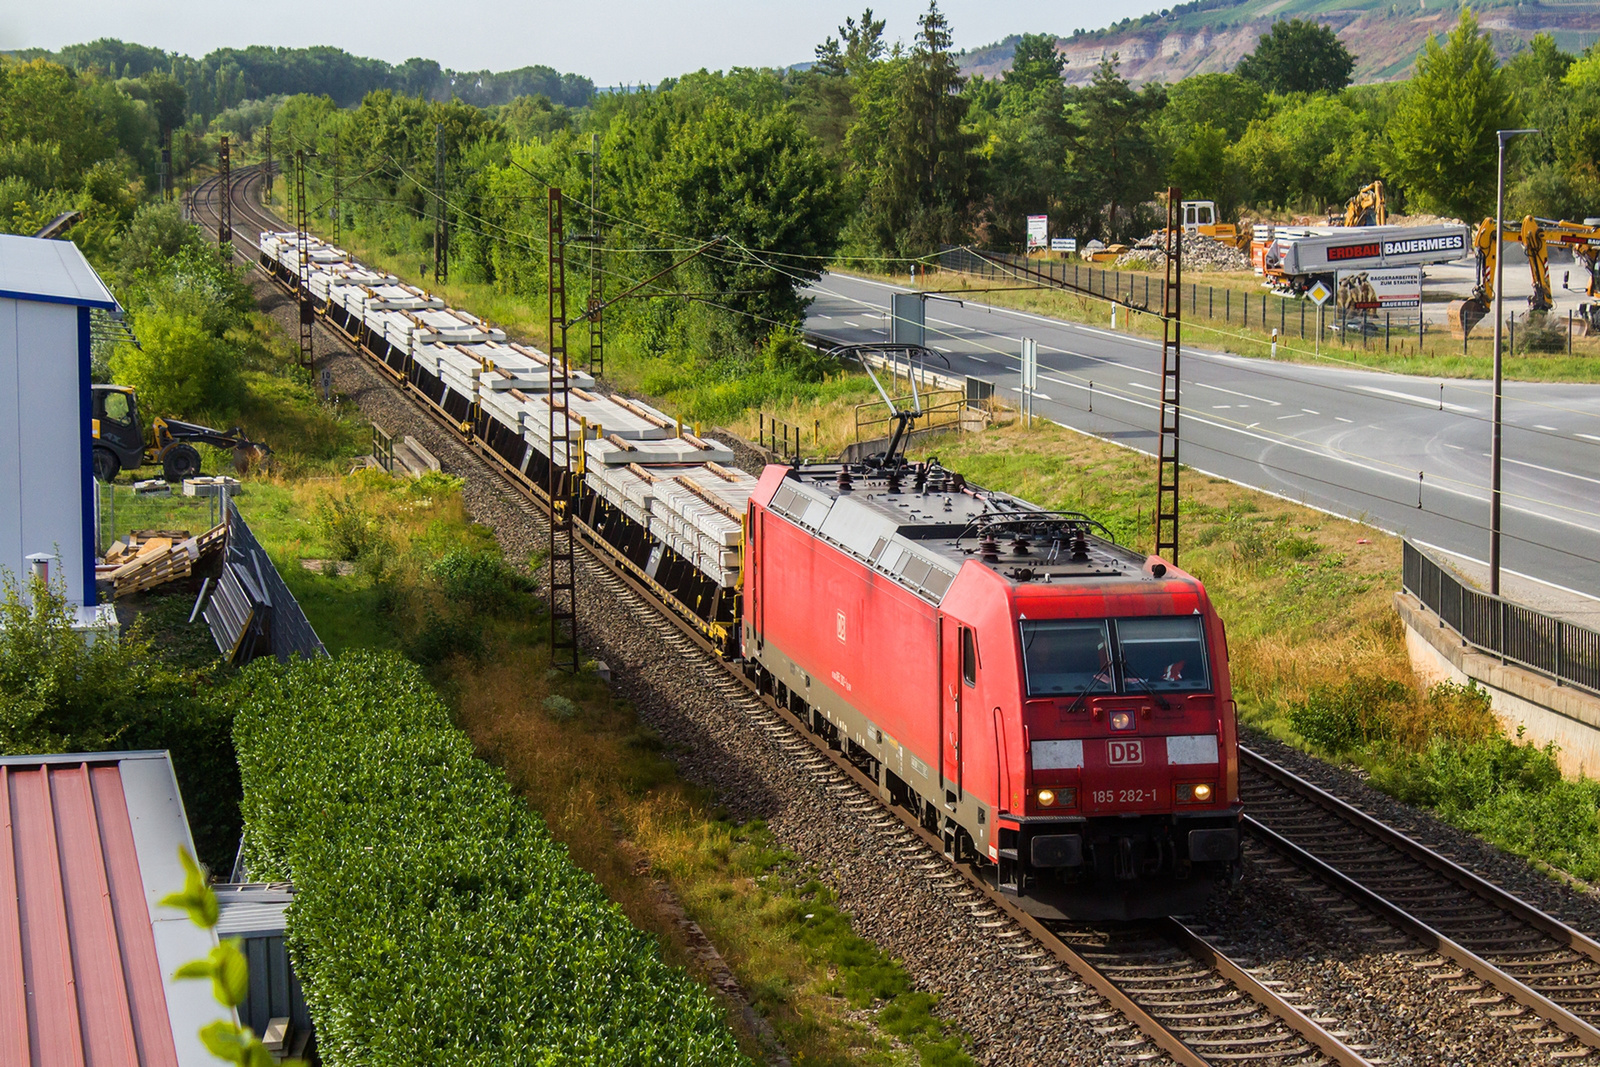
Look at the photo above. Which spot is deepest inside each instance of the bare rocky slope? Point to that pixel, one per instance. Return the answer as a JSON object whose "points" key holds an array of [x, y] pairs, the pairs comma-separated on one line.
{"points": [[1385, 37]]}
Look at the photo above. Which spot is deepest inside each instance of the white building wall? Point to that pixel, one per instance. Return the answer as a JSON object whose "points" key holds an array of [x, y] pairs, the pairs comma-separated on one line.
{"points": [[43, 442]]}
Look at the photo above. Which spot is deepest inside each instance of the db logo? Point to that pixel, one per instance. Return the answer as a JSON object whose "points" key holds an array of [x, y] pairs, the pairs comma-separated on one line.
{"points": [[1124, 752], [839, 626]]}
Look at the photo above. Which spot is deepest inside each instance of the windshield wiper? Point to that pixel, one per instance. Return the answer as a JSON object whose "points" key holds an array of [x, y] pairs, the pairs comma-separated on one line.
{"points": [[1077, 701], [1128, 675]]}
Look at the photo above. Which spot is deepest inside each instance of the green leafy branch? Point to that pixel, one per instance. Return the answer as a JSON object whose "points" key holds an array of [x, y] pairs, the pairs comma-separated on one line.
{"points": [[227, 969]]}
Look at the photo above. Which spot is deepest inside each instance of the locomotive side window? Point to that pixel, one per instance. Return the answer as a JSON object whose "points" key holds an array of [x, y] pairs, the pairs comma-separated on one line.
{"points": [[969, 657], [1166, 653], [1067, 656]]}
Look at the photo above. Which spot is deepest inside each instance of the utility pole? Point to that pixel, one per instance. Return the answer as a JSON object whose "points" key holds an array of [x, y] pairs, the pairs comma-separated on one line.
{"points": [[1499, 297], [303, 247], [225, 208], [441, 253], [166, 166], [338, 196], [267, 169], [597, 284], [1171, 378], [560, 486]]}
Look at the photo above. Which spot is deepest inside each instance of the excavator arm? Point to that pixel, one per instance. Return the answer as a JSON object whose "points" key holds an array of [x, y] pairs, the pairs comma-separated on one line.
{"points": [[1367, 207], [1533, 234]]}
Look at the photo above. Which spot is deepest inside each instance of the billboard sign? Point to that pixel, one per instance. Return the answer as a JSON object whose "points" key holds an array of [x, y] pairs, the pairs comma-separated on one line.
{"points": [[1038, 232], [1380, 290]]}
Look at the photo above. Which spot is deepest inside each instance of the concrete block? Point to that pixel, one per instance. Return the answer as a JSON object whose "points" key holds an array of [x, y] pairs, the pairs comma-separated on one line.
{"points": [[152, 487], [210, 486]]}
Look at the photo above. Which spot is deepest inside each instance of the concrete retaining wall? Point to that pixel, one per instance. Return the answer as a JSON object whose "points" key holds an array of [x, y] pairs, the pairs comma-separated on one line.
{"points": [[1544, 710]]}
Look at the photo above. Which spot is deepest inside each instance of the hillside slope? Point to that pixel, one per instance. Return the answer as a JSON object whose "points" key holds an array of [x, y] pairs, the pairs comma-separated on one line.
{"points": [[1385, 37]]}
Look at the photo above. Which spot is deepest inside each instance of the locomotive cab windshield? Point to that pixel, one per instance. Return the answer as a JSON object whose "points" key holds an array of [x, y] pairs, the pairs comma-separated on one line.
{"points": [[1073, 656]]}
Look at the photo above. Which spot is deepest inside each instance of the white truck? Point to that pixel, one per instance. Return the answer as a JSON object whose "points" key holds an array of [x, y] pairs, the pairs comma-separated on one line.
{"points": [[1294, 258]]}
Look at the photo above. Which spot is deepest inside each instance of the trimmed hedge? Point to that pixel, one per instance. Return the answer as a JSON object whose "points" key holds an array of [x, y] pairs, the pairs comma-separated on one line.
{"points": [[435, 921]]}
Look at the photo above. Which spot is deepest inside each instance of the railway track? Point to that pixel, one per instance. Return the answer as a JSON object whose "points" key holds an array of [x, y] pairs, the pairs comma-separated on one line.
{"points": [[1528, 965], [1165, 984]]}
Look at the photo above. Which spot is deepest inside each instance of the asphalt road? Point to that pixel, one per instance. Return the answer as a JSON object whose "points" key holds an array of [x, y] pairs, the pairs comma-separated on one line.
{"points": [[1406, 454]]}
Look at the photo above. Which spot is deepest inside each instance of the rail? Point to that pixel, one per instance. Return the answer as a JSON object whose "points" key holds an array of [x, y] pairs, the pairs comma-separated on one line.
{"points": [[1175, 1040], [1565, 652]]}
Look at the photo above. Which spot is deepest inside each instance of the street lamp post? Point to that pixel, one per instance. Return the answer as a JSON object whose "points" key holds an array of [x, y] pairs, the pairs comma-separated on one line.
{"points": [[1499, 298]]}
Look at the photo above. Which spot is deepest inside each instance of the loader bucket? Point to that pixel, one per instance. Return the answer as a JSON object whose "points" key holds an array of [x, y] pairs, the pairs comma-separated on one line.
{"points": [[1463, 316]]}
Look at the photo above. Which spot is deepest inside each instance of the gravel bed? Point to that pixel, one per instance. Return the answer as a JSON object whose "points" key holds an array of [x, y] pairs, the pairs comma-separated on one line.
{"points": [[1359, 978], [1576, 904], [1018, 1007]]}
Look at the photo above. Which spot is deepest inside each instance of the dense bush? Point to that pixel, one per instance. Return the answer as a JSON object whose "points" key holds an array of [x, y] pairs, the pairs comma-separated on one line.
{"points": [[435, 920], [61, 693], [1443, 749]]}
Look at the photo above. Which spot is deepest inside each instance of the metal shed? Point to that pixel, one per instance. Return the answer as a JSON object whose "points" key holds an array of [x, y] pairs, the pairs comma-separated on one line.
{"points": [[88, 846], [47, 488]]}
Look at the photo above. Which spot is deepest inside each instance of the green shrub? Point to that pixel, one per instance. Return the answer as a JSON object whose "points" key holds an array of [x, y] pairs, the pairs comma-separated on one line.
{"points": [[60, 693], [560, 708], [435, 920], [1340, 719], [348, 528], [443, 636], [478, 581]]}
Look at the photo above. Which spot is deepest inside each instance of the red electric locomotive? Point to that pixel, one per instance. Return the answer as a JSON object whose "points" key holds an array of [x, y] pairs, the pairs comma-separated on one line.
{"points": [[1055, 706]]}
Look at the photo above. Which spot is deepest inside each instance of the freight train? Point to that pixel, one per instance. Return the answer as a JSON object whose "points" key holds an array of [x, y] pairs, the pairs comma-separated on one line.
{"points": [[1054, 707]]}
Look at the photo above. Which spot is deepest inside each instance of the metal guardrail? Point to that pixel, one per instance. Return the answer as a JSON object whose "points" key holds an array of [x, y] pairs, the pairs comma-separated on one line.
{"points": [[1563, 651]]}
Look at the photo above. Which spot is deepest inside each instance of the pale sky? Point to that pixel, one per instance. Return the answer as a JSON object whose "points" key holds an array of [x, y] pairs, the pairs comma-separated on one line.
{"points": [[612, 41]]}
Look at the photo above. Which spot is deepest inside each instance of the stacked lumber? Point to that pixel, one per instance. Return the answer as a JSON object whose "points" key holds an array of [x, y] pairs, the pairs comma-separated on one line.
{"points": [[150, 558]]}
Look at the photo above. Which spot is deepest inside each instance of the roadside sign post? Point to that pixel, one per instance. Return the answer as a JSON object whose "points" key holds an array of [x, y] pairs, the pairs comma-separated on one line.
{"points": [[1030, 376], [1038, 233], [1320, 293]]}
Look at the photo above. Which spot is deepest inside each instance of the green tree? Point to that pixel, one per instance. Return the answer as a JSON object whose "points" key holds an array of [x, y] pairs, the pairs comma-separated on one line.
{"points": [[1036, 66], [911, 153], [1298, 56], [1113, 160], [1443, 132]]}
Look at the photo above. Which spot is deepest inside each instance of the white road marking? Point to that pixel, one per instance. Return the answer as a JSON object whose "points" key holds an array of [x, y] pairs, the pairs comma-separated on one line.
{"points": [[1540, 426], [1232, 392], [1296, 415], [1341, 418], [1427, 402], [977, 359], [1308, 411], [1588, 437], [1141, 385], [1550, 470]]}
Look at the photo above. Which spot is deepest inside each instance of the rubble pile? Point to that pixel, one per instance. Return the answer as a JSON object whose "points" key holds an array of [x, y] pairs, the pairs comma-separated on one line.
{"points": [[1199, 253]]}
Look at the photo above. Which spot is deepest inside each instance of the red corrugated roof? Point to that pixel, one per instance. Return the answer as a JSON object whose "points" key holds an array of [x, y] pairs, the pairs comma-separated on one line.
{"points": [[80, 983]]}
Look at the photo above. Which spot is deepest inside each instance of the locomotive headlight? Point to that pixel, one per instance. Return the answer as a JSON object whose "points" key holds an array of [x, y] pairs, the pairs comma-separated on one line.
{"points": [[1045, 797], [1194, 792], [1122, 720], [1202, 792]]}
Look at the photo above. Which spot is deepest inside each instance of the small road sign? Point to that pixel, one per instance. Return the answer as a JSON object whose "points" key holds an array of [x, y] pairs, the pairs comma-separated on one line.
{"points": [[1319, 293]]}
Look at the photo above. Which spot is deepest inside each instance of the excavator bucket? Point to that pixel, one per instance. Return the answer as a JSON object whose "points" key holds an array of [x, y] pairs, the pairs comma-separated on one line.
{"points": [[1464, 315]]}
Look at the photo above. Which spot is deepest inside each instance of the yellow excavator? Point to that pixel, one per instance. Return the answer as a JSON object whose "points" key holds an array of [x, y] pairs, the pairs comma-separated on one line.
{"points": [[1534, 235], [1366, 208]]}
